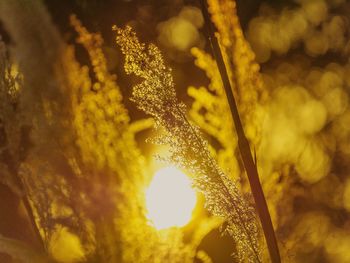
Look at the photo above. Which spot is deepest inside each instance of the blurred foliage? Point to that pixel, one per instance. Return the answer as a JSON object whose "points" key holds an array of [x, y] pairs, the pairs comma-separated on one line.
{"points": [[293, 127], [83, 173]]}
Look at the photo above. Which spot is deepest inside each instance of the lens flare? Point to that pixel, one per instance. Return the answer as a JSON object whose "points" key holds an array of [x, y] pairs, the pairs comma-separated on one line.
{"points": [[170, 199]]}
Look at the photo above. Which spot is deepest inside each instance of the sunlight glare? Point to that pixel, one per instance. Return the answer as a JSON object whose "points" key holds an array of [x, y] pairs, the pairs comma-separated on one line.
{"points": [[170, 199]]}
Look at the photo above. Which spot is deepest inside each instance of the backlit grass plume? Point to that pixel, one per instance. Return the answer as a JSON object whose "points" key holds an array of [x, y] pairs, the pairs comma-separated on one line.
{"points": [[156, 96], [107, 142]]}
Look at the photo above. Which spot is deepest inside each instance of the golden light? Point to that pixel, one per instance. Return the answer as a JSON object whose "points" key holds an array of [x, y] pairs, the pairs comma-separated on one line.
{"points": [[170, 199]]}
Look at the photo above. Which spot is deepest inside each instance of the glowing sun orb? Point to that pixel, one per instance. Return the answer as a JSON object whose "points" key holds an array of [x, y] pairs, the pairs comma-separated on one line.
{"points": [[170, 199]]}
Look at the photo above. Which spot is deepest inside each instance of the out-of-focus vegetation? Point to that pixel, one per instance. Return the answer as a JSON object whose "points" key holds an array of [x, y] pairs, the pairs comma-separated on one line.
{"points": [[82, 177], [297, 110], [73, 173]]}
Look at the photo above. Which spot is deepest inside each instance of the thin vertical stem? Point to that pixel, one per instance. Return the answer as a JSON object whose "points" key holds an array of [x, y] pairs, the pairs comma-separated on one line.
{"points": [[243, 144]]}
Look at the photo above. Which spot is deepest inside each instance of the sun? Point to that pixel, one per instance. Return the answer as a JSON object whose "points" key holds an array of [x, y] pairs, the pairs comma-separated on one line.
{"points": [[170, 199]]}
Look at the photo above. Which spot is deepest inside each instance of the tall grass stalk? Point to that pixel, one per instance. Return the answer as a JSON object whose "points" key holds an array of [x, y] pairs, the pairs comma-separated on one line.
{"points": [[243, 144]]}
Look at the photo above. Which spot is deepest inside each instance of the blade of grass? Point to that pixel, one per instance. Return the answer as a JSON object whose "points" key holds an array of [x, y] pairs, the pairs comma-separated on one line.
{"points": [[243, 144]]}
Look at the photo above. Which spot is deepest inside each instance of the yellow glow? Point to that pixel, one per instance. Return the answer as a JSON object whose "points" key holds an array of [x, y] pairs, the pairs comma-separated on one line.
{"points": [[170, 199]]}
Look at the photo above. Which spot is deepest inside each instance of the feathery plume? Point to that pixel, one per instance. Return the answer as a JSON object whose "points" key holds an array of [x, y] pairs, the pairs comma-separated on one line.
{"points": [[156, 96]]}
